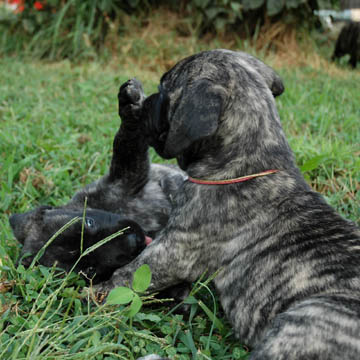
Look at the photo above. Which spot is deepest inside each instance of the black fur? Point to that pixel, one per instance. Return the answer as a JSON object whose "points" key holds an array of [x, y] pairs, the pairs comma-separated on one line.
{"points": [[134, 194], [348, 42], [65, 249]]}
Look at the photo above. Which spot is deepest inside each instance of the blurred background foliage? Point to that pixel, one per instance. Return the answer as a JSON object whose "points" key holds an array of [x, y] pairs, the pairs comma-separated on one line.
{"points": [[79, 29]]}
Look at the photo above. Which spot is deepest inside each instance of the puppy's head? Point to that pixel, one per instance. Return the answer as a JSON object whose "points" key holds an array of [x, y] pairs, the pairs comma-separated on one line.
{"points": [[34, 228], [195, 94]]}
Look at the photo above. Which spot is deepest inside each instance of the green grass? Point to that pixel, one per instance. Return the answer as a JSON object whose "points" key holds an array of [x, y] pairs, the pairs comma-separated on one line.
{"points": [[57, 124], [321, 117]]}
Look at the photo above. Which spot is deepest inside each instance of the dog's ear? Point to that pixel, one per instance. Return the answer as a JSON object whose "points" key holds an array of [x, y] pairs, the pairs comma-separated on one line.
{"points": [[195, 117], [277, 87], [272, 79]]}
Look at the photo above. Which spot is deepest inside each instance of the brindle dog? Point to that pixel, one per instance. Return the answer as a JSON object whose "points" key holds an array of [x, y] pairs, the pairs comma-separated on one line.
{"points": [[289, 274]]}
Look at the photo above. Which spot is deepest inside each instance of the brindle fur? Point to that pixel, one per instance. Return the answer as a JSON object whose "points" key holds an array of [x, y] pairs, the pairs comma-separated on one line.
{"points": [[289, 277]]}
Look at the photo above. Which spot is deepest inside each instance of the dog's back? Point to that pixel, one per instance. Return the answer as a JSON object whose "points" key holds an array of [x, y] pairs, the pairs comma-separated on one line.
{"points": [[300, 281], [322, 327], [149, 207]]}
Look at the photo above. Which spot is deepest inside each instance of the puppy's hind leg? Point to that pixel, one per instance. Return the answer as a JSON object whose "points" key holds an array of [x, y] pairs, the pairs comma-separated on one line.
{"points": [[323, 327]]}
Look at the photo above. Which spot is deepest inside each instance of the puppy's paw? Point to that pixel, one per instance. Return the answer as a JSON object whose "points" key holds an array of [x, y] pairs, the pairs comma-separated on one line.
{"points": [[131, 92], [131, 97], [102, 290]]}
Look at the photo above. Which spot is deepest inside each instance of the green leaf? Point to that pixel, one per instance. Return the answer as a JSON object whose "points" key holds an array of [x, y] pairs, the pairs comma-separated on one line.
{"points": [[274, 7], [78, 345], [202, 3], [214, 12], [150, 317], [190, 300], [69, 292], [212, 317], [293, 3], [252, 4], [236, 7], [216, 346], [135, 306], [96, 338], [187, 339], [120, 296], [44, 271], [239, 353], [313, 163], [171, 352], [142, 278]]}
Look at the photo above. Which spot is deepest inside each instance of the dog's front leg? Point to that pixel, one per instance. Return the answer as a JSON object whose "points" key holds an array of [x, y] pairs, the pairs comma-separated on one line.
{"points": [[178, 254], [130, 160], [165, 265]]}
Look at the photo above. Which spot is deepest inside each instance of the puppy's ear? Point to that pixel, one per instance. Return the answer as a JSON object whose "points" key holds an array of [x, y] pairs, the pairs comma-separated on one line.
{"points": [[277, 87], [196, 116], [272, 79]]}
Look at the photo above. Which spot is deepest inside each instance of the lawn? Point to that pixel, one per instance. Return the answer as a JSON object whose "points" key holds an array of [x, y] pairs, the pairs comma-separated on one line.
{"points": [[57, 124]]}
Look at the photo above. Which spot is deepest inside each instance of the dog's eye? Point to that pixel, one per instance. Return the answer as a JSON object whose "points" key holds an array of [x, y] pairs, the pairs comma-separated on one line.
{"points": [[89, 222]]}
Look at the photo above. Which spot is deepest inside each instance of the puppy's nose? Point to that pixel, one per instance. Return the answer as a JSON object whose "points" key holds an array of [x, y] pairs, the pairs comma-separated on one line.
{"points": [[17, 223], [136, 243], [14, 219]]}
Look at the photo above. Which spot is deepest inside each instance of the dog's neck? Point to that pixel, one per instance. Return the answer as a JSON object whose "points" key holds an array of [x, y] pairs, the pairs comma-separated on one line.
{"points": [[231, 181], [219, 165], [242, 152]]}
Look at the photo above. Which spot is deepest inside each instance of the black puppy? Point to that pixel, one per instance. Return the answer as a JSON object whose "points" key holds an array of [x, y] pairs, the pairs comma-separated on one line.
{"points": [[134, 193], [348, 42], [66, 249]]}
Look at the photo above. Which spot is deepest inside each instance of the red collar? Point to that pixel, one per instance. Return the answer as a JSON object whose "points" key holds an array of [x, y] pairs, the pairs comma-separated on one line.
{"points": [[231, 181]]}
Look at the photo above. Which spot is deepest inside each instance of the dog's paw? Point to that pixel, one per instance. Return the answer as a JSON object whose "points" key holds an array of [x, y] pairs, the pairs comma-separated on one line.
{"points": [[131, 97], [102, 290], [131, 92]]}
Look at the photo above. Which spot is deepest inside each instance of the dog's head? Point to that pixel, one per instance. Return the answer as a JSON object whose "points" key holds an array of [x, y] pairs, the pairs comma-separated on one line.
{"points": [[34, 229], [198, 94]]}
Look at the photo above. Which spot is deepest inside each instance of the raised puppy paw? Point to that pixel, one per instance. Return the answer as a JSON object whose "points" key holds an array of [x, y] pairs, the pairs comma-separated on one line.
{"points": [[131, 97]]}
